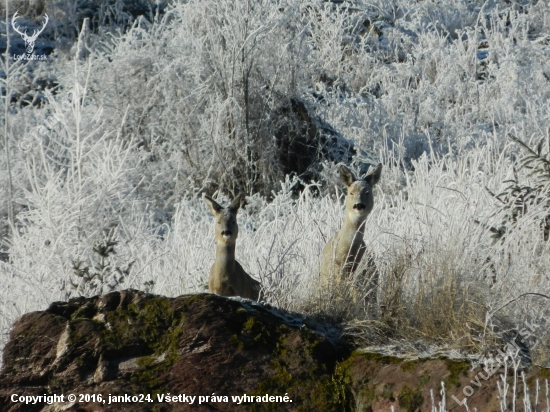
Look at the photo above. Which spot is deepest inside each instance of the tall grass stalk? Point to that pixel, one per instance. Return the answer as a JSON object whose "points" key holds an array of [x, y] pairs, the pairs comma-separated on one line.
{"points": [[7, 90]]}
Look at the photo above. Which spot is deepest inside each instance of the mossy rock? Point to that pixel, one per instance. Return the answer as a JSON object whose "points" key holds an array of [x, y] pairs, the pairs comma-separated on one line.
{"points": [[457, 369], [133, 342], [410, 400]]}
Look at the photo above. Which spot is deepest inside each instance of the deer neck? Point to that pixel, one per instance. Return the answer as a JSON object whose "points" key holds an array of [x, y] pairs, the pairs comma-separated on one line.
{"points": [[352, 233], [355, 226], [225, 254]]}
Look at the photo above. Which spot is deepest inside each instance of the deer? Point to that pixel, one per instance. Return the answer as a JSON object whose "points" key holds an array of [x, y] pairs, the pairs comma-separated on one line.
{"points": [[344, 251], [227, 276], [29, 40]]}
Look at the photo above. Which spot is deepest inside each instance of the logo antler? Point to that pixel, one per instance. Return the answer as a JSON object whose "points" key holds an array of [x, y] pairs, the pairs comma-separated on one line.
{"points": [[29, 40]]}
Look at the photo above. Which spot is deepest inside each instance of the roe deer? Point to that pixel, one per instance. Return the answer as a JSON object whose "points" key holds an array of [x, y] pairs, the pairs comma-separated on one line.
{"points": [[346, 248], [227, 277]]}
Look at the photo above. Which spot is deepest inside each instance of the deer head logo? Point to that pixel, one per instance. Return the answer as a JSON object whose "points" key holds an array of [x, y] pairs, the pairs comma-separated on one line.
{"points": [[29, 40]]}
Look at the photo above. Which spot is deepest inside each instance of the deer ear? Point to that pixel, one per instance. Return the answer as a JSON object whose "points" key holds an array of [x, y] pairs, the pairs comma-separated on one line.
{"points": [[215, 208], [373, 176], [346, 176], [236, 204]]}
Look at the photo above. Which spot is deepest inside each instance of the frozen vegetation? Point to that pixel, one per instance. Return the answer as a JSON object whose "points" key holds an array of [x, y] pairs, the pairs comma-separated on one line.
{"points": [[109, 146]]}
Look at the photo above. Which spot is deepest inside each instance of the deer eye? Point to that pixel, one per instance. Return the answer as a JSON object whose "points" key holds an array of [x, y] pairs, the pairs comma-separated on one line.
{"points": [[351, 194]]}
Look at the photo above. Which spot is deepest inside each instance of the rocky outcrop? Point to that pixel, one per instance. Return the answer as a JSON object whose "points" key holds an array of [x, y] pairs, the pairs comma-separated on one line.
{"points": [[379, 382], [108, 349], [131, 342]]}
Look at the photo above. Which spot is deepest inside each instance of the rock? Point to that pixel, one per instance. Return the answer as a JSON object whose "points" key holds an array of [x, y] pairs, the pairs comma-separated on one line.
{"points": [[303, 140], [379, 382], [129, 343]]}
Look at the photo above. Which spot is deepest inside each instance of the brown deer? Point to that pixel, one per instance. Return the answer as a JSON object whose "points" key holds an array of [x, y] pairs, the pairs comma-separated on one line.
{"points": [[346, 248], [227, 277]]}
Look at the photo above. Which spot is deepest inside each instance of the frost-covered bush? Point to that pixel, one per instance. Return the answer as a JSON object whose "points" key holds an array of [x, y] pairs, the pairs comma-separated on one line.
{"points": [[204, 89]]}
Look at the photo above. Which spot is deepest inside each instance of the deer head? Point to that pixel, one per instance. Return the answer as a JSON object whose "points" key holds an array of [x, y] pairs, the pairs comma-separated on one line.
{"points": [[227, 229], [359, 199], [29, 40]]}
